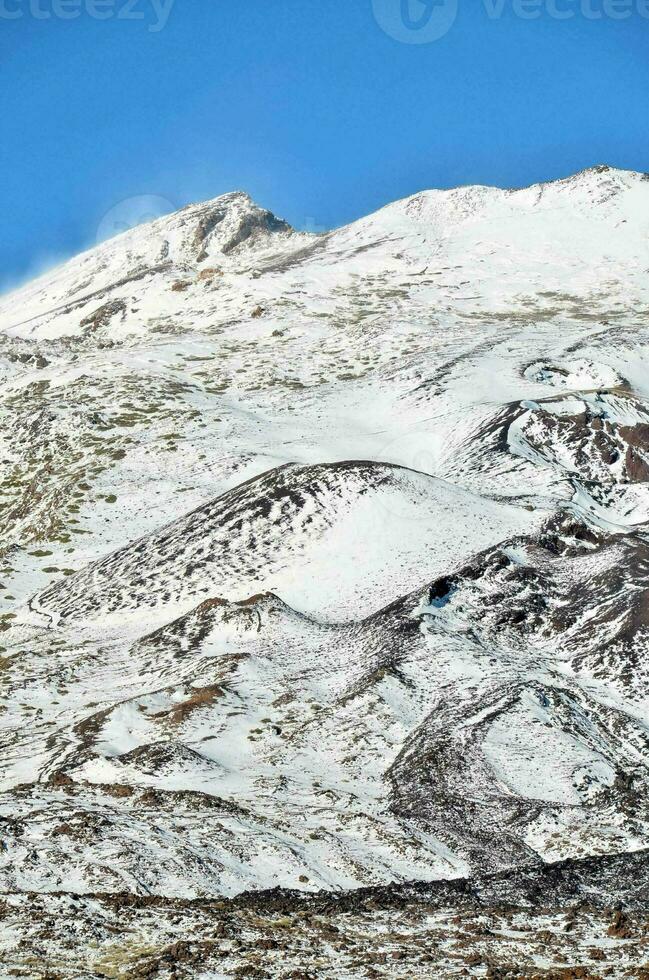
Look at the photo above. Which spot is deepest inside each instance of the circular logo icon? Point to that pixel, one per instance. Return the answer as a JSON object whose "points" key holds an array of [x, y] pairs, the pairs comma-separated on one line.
{"points": [[415, 21], [417, 453], [130, 213]]}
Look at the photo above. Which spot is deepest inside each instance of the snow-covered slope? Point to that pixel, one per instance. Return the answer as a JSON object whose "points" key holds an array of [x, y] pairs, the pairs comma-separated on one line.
{"points": [[337, 541], [325, 557], [547, 249]]}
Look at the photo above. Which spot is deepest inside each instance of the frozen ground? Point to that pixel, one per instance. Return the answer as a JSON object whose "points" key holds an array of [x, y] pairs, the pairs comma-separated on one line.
{"points": [[324, 565]]}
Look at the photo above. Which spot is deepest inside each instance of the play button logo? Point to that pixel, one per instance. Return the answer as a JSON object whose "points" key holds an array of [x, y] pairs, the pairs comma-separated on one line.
{"points": [[415, 21]]}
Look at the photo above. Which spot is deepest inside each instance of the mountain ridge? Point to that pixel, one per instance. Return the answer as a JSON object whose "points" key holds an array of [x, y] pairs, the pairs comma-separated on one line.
{"points": [[323, 566], [245, 219]]}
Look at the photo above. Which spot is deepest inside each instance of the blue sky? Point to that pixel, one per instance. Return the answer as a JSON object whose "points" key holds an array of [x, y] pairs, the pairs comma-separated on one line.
{"points": [[312, 106]]}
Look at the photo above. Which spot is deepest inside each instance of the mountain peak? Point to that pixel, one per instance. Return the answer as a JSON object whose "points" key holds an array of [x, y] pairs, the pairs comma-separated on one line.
{"points": [[325, 565], [565, 234]]}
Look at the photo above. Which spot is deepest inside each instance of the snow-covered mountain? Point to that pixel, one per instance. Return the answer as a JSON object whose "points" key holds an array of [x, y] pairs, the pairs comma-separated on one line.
{"points": [[325, 558]]}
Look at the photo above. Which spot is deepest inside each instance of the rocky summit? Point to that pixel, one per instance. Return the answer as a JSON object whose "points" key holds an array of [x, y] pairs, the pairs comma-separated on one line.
{"points": [[324, 594]]}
